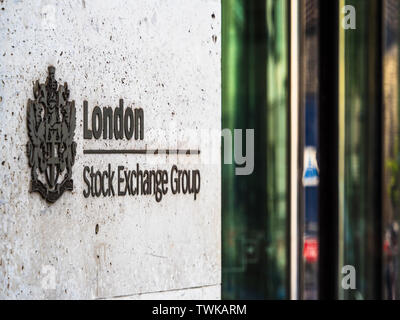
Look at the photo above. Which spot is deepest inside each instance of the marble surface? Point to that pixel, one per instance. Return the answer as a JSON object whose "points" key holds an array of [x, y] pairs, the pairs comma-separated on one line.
{"points": [[162, 56]]}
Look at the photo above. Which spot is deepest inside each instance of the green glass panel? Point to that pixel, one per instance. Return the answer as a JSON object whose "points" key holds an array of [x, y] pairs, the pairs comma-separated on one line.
{"points": [[255, 96], [359, 184]]}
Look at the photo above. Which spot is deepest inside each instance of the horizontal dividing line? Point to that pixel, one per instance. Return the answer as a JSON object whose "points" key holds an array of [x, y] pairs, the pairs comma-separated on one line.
{"points": [[160, 291], [141, 151]]}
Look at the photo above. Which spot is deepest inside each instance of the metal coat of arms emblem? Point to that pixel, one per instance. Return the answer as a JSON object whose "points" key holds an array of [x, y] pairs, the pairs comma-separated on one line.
{"points": [[51, 127]]}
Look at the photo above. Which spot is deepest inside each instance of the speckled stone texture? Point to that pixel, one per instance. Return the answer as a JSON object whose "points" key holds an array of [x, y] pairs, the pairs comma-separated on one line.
{"points": [[162, 56]]}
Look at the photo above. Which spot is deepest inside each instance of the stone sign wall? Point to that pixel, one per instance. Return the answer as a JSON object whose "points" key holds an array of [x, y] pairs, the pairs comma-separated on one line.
{"points": [[110, 149]]}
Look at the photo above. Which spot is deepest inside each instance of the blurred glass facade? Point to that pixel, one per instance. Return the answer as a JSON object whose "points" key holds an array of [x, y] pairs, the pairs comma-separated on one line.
{"points": [[359, 148], [308, 148], [391, 149], [255, 96], [256, 209]]}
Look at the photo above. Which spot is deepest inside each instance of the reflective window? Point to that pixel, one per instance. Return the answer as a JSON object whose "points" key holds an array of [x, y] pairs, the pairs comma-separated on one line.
{"points": [[255, 96], [308, 192], [359, 149]]}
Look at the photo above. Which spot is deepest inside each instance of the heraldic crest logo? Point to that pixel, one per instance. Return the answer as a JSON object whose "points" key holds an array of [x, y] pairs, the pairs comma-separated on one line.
{"points": [[51, 128]]}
